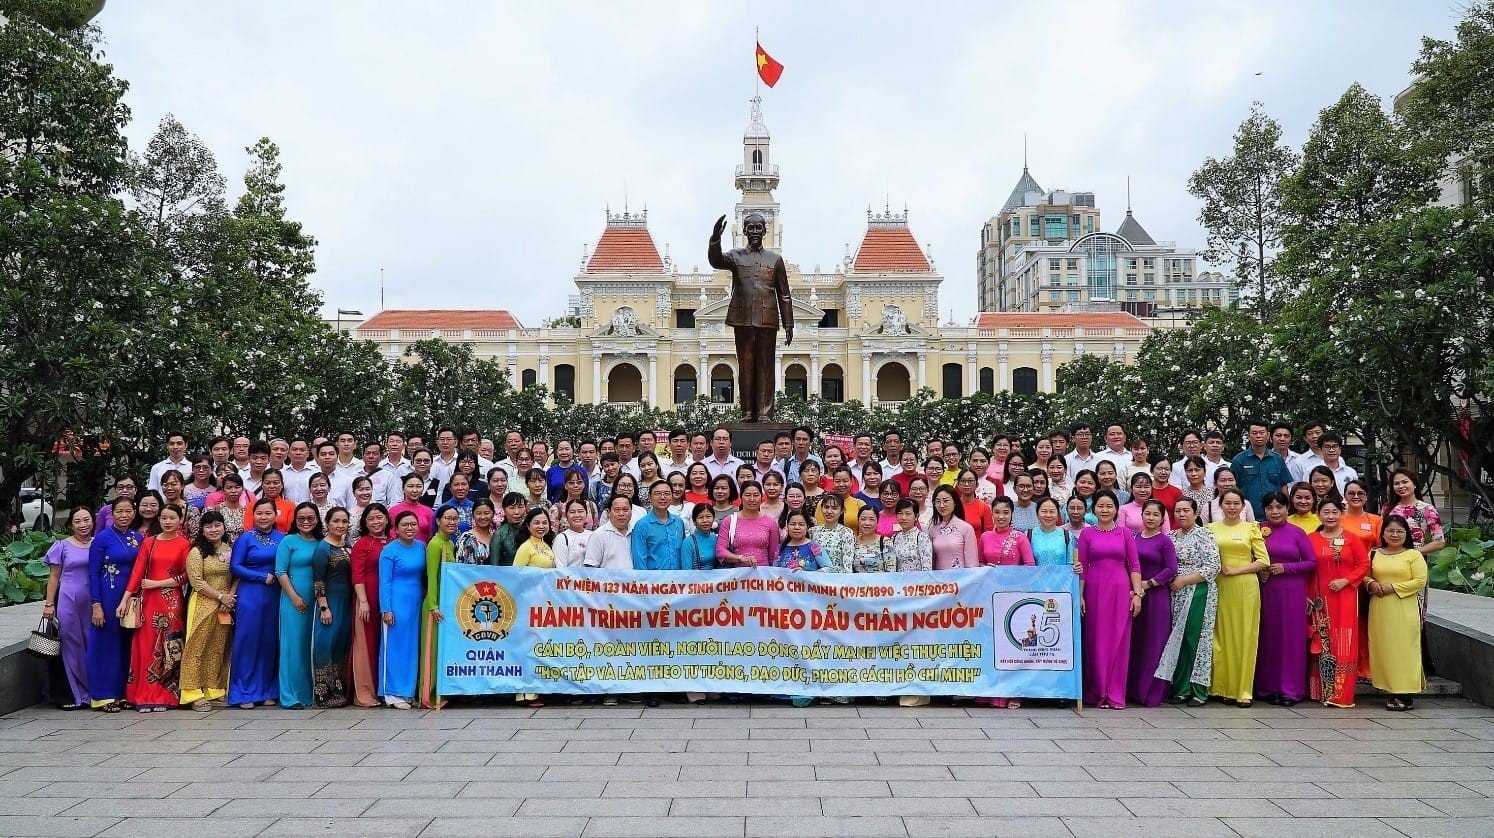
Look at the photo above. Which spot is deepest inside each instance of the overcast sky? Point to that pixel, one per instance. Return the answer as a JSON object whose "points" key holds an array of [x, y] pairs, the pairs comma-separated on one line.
{"points": [[470, 149]]}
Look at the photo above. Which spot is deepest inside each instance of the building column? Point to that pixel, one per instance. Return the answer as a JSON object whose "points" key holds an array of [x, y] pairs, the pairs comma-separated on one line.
{"points": [[972, 375], [814, 374], [702, 378], [1003, 381], [866, 381], [778, 364], [544, 369], [596, 378], [513, 364], [923, 358], [653, 379], [1046, 383]]}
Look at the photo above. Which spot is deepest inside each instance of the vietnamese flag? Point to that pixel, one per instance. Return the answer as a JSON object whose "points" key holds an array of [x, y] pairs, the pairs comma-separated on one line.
{"points": [[767, 69]]}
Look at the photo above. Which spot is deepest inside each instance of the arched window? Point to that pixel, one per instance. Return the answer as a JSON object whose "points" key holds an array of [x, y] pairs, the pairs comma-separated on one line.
{"points": [[953, 380], [757, 158], [796, 381], [527, 379], [625, 384], [723, 385], [684, 384], [1024, 381], [565, 382], [987, 380], [893, 383], [833, 384]]}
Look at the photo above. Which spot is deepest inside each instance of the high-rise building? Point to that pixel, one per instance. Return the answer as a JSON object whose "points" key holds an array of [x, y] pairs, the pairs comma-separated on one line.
{"points": [[1029, 216]]}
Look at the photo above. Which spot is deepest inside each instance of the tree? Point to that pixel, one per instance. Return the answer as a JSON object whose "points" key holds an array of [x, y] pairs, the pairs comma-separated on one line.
{"points": [[1453, 99], [1359, 167], [1242, 203], [76, 278], [177, 188]]}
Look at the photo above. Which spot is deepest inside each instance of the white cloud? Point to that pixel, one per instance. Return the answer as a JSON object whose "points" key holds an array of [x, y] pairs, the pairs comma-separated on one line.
{"points": [[470, 148]]}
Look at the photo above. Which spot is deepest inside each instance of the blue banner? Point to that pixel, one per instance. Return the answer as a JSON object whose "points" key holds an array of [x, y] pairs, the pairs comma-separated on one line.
{"points": [[1005, 632]]}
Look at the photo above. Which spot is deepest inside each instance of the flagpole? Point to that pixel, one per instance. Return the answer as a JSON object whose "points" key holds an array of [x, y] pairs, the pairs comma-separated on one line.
{"points": [[757, 84]]}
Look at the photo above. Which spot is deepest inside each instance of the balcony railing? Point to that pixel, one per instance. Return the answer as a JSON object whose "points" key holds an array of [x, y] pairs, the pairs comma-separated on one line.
{"points": [[757, 171], [889, 405]]}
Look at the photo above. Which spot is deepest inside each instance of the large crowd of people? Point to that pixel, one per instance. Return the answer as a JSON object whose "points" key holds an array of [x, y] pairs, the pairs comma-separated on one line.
{"points": [[306, 573]]}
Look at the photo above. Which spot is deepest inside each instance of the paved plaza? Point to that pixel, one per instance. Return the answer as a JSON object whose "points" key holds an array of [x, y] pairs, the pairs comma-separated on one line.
{"points": [[745, 770]]}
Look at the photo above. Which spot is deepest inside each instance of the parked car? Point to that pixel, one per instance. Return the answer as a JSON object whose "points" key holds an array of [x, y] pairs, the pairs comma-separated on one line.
{"points": [[36, 511]]}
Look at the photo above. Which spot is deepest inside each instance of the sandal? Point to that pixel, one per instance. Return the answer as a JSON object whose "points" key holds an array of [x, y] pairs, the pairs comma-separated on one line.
{"points": [[1395, 705], [1244, 703], [1014, 704], [111, 707], [202, 705], [1197, 702]]}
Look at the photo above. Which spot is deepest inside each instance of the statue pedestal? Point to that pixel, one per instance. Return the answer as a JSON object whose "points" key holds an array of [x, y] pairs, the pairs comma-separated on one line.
{"points": [[746, 435]]}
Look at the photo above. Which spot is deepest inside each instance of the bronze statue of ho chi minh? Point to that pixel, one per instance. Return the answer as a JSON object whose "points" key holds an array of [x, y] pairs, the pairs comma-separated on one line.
{"points": [[760, 301]]}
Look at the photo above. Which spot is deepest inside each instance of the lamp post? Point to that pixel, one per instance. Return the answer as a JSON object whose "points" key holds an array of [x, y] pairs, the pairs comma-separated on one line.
{"points": [[348, 312]]}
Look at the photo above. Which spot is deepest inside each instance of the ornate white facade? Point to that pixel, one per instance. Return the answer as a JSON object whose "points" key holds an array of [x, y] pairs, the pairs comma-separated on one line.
{"points": [[867, 329]]}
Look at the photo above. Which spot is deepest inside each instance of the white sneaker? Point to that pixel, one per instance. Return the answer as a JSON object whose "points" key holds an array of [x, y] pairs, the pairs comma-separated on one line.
{"points": [[609, 701]]}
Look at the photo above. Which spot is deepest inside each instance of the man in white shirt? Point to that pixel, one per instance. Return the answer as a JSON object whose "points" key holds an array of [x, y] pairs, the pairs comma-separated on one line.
{"points": [[763, 461], [627, 449], [219, 449], [586, 455], [341, 491], [700, 447], [372, 467], [241, 454], [1302, 464], [1082, 458], [679, 454], [513, 443], [721, 461], [279, 453], [611, 545], [1191, 446], [1213, 456], [347, 455], [176, 458], [1281, 443], [444, 464], [1115, 449], [298, 471], [259, 459], [803, 436], [861, 449], [892, 453], [1331, 445], [394, 460]]}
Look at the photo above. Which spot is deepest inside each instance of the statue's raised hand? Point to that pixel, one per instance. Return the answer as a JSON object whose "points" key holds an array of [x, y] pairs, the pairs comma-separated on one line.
{"points": [[720, 226]]}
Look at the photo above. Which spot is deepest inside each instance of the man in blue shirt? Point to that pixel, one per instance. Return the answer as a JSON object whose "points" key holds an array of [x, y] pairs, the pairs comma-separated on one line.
{"points": [[658, 535], [1259, 470]]}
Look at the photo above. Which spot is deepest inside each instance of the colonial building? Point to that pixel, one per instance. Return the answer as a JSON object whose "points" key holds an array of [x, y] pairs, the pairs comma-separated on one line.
{"points": [[646, 330]]}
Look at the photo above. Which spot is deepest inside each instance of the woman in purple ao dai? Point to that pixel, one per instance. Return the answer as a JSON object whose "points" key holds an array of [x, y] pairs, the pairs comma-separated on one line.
{"points": [[1112, 598], [1281, 657], [1151, 628]]}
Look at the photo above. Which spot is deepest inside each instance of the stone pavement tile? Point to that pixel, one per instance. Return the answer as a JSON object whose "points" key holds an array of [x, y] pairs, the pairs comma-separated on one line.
{"points": [[322, 722], [1457, 774], [1292, 774], [531, 790], [347, 826], [1338, 760], [500, 761], [416, 807], [1476, 807], [1313, 828], [762, 724], [36, 805], [1183, 807], [1442, 827], [1214, 760], [1179, 734], [1398, 790], [829, 788], [665, 746], [922, 757], [1034, 827], [582, 734], [624, 827], [497, 727], [1111, 790], [530, 827], [741, 745], [775, 826], [1484, 787], [879, 745], [1159, 773], [149, 827], [220, 774], [799, 773], [397, 760], [1084, 759], [1015, 773], [330, 762], [25, 758], [1268, 747], [1133, 746], [1358, 809], [372, 746], [1238, 788], [594, 722], [1049, 807], [700, 758], [879, 772], [1082, 827], [474, 773], [812, 732], [283, 807], [47, 826], [899, 806], [959, 788], [367, 790], [603, 773], [353, 774], [1405, 746], [1470, 746], [169, 808], [747, 806], [266, 746], [283, 791], [781, 711], [1420, 734], [122, 790], [76, 773], [646, 807], [820, 758], [991, 745], [714, 787]]}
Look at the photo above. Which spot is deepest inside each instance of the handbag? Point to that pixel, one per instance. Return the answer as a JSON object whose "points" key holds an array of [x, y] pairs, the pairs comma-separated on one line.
{"points": [[225, 617], [131, 618], [46, 639]]}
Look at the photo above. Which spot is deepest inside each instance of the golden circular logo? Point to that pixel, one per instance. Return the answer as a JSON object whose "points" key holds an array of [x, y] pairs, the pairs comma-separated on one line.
{"points": [[486, 611]]}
